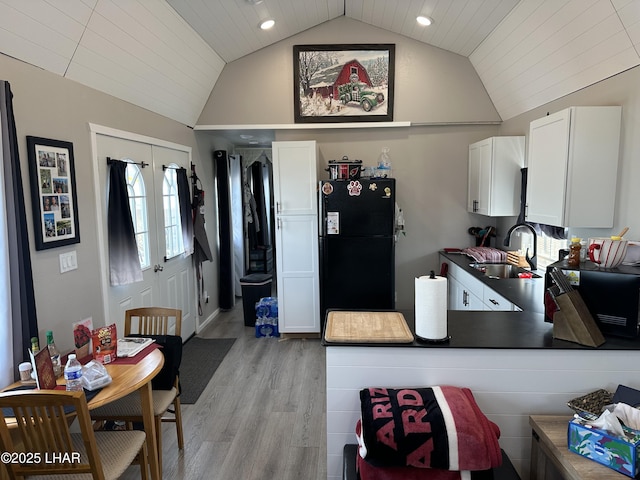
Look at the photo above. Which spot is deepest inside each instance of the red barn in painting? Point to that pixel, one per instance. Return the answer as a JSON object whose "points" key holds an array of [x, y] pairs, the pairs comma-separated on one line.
{"points": [[327, 81]]}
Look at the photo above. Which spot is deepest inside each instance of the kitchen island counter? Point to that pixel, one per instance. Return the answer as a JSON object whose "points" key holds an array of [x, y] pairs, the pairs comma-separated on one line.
{"points": [[524, 329], [509, 360], [495, 330]]}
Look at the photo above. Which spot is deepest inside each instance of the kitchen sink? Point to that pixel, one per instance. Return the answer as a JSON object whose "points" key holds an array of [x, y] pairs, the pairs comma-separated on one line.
{"points": [[503, 270]]}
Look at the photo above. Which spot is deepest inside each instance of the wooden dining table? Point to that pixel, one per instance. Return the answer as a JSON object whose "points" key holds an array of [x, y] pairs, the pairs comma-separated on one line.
{"points": [[128, 378]]}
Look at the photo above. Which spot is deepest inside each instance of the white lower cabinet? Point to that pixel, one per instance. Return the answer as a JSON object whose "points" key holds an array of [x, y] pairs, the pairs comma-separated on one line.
{"points": [[465, 292], [461, 297], [297, 273], [495, 301]]}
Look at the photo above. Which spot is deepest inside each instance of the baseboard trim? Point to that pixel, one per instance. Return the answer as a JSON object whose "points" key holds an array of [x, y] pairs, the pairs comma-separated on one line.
{"points": [[203, 325], [285, 336]]}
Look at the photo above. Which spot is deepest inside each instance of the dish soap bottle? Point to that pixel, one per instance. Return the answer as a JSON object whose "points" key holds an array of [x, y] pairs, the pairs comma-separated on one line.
{"points": [[574, 252]]}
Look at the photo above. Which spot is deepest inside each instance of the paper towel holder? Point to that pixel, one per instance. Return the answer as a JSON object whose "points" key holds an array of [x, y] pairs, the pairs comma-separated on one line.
{"points": [[432, 275]]}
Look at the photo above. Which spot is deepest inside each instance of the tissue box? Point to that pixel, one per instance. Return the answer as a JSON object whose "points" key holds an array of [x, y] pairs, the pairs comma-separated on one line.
{"points": [[611, 451]]}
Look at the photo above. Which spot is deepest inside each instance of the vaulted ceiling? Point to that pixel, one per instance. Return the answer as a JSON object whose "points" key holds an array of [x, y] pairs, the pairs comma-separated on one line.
{"points": [[166, 56]]}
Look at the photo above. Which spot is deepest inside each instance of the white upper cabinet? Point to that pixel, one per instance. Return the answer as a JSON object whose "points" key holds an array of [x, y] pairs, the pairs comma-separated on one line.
{"points": [[295, 177], [495, 177], [573, 167]]}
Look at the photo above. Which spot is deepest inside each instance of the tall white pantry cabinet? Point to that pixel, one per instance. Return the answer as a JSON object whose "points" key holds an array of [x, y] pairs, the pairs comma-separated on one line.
{"points": [[297, 268]]}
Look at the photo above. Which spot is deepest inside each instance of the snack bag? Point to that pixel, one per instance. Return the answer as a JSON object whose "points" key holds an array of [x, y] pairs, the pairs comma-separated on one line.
{"points": [[105, 342]]}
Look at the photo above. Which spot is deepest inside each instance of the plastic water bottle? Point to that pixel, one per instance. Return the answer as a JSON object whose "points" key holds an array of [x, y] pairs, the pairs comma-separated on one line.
{"points": [[73, 374]]}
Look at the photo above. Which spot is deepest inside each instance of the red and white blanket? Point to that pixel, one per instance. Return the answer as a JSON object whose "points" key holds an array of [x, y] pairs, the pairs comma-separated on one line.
{"points": [[439, 428]]}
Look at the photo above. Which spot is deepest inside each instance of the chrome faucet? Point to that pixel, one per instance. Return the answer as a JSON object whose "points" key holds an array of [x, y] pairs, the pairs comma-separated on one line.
{"points": [[532, 261]]}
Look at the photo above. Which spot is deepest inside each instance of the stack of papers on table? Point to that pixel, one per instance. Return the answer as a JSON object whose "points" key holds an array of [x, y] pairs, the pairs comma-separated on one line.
{"points": [[131, 346]]}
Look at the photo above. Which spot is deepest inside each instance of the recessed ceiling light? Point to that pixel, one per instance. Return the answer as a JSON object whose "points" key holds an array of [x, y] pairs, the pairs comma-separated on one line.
{"points": [[246, 136], [254, 2], [267, 24], [424, 21]]}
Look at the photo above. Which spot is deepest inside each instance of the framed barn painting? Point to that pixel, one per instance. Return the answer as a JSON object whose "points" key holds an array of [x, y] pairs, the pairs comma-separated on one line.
{"points": [[343, 83], [53, 192]]}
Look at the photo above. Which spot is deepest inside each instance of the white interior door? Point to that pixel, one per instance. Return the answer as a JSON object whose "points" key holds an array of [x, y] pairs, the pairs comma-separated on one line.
{"points": [[167, 282]]}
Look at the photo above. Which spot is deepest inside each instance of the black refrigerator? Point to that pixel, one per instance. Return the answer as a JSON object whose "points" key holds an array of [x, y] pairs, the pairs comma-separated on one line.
{"points": [[357, 256]]}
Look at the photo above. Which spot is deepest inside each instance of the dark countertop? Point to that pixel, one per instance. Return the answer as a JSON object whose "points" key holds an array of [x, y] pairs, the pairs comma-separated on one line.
{"points": [[498, 329], [526, 293]]}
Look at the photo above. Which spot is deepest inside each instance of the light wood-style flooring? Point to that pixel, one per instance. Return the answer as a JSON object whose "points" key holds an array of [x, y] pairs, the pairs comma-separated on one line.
{"points": [[262, 416]]}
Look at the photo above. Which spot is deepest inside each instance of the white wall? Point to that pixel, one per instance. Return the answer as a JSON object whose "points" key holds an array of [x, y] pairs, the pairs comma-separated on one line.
{"points": [[430, 167], [47, 105], [431, 84], [430, 161]]}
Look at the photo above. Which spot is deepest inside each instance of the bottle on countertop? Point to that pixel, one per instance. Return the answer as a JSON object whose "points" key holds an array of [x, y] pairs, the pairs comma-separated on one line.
{"points": [[35, 346], [574, 252], [73, 374], [54, 354]]}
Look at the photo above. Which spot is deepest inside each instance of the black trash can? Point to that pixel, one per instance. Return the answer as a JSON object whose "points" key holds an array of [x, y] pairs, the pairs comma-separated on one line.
{"points": [[254, 287]]}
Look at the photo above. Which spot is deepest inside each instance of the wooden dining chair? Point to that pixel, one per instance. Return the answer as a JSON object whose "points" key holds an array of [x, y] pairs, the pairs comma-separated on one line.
{"points": [[149, 321], [35, 430]]}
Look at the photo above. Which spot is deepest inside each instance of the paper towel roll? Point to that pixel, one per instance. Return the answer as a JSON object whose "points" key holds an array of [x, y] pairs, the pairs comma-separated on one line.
{"points": [[431, 308]]}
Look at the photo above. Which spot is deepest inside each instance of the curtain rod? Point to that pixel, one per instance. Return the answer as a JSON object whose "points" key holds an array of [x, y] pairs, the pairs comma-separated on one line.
{"points": [[111, 160], [165, 167]]}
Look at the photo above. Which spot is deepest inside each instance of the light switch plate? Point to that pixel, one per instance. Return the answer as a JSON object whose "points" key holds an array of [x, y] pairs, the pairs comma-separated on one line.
{"points": [[68, 261]]}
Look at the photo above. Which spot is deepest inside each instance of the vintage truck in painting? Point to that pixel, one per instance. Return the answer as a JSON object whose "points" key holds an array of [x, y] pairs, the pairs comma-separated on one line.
{"points": [[356, 91]]}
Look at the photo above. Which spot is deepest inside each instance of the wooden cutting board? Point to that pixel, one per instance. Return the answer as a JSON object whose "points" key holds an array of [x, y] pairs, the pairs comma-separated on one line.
{"points": [[367, 327]]}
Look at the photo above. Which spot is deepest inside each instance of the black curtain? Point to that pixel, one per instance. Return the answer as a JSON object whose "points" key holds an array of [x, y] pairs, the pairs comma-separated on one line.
{"points": [[225, 231], [23, 303], [186, 220], [261, 209], [124, 264]]}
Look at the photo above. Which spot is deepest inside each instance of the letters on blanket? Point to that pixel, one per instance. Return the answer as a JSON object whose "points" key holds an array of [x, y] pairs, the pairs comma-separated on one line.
{"points": [[437, 427]]}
